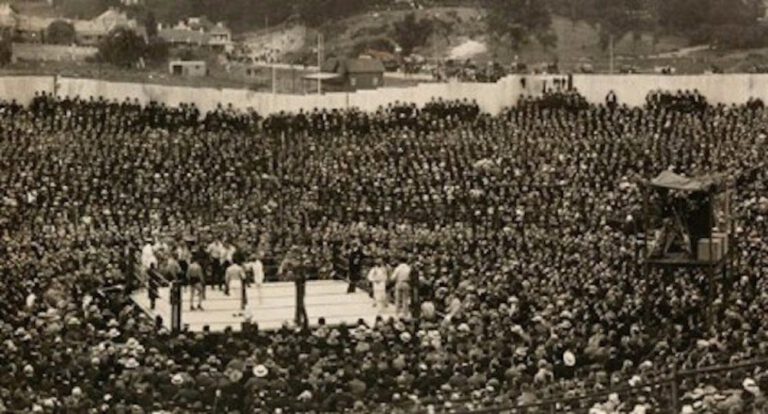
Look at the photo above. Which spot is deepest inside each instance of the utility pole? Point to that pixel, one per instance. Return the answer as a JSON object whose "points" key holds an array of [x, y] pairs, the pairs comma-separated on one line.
{"points": [[610, 51], [274, 79], [319, 62]]}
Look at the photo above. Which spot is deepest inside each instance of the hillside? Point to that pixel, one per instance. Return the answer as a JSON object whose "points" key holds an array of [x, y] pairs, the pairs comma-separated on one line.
{"points": [[578, 42], [455, 29]]}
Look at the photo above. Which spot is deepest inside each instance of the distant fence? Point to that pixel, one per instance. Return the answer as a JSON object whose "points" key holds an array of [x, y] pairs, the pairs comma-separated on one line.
{"points": [[41, 52], [492, 97]]}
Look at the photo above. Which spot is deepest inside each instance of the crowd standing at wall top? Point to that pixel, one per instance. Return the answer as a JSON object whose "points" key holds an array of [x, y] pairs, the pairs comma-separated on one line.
{"points": [[491, 97]]}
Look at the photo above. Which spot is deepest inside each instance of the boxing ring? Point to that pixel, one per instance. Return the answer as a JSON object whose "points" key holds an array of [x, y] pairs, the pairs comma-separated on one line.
{"points": [[275, 306]]}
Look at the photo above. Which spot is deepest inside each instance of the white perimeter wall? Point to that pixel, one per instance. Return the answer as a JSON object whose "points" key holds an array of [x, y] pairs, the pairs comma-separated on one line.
{"points": [[632, 89], [492, 97]]}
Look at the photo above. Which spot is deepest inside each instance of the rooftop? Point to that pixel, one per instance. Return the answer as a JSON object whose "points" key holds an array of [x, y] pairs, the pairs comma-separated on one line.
{"points": [[360, 65]]}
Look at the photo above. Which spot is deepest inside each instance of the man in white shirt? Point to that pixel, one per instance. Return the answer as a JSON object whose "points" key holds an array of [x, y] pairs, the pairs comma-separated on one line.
{"points": [[378, 278], [216, 251], [256, 269], [402, 278], [148, 258], [228, 253]]}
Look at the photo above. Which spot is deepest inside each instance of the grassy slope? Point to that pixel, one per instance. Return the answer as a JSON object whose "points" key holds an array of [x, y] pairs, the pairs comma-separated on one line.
{"points": [[577, 41], [76, 9]]}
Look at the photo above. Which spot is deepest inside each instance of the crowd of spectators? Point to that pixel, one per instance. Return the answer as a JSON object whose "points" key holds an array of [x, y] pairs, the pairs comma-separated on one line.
{"points": [[469, 71], [682, 101], [505, 219]]}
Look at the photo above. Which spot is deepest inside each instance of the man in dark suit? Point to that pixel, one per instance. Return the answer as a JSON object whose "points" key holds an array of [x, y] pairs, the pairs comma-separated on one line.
{"points": [[292, 268], [355, 265]]}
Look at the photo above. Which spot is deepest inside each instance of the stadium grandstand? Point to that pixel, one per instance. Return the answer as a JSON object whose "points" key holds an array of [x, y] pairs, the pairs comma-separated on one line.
{"points": [[509, 248]]}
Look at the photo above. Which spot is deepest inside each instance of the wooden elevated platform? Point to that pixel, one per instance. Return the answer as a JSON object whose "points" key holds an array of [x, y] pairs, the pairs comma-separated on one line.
{"points": [[324, 298]]}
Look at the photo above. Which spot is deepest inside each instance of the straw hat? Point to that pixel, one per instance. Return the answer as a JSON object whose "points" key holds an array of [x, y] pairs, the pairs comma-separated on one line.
{"points": [[260, 371], [569, 358]]}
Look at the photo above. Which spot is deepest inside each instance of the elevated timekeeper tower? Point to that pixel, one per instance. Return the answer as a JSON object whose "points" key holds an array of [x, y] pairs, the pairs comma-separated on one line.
{"points": [[688, 225]]}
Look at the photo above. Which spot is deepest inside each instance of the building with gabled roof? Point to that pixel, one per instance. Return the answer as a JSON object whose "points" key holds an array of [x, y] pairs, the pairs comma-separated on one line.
{"points": [[91, 32], [199, 32], [350, 74], [9, 17], [87, 32]]}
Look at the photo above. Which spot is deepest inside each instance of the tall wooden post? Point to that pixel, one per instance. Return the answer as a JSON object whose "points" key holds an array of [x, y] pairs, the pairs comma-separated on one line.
{"points": [[175, 306], [675, 392], [319, 62]]}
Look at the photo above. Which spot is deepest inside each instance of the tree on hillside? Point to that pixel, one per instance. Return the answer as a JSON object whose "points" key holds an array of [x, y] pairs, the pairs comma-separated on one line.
{"points": [[122, 47], [60, 32], [620, 17], [727, 23], [411, 33], [518, 21], [157, 51], [690, 15], [150, 24], [84, 9], [6, 48], [381, 44], [316, 12]]}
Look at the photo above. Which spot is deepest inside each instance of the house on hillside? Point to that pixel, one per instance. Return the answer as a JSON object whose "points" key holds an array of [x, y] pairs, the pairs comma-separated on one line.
{"points": [[23, 28], [8, 16], [32, 29], [91, 32], [198, 32], [349, 74], [765, 11], [220, 38]]}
